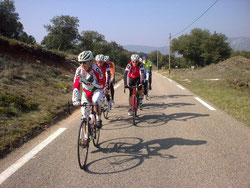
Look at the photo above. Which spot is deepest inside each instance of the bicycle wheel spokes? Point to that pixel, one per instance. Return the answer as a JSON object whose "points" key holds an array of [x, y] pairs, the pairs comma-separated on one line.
{"points": [[82, 145]]}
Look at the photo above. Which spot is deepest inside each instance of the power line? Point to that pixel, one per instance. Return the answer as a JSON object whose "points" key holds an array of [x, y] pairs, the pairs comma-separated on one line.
{"points": [[197, 18]]}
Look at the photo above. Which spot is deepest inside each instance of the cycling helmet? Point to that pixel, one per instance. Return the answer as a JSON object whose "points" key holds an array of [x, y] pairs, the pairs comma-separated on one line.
{"points": [[85, 56], [145, 57], [106, 58], [134, 57], [99, 57], [140, 60]]}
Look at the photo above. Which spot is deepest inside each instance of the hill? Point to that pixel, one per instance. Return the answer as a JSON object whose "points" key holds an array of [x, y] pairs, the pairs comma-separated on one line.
{"points": [[35, 85], [237, 43], [226, 85]]}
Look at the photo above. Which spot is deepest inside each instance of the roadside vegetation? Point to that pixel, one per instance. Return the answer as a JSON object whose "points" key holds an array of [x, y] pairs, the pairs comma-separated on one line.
{"points": [[32, 97], [226, 85]]}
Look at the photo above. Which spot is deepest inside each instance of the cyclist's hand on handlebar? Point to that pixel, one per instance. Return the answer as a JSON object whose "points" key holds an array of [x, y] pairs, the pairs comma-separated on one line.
{"points": [[139, 87], [126, 86], [76, 103]]}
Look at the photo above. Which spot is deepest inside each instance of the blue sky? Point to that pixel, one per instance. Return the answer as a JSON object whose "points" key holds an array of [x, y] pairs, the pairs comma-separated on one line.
{"points": [[138, 22]]}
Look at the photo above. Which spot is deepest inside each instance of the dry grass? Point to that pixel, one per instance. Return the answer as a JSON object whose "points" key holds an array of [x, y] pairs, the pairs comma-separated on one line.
{"points": [[32, 98], [230, 93]]}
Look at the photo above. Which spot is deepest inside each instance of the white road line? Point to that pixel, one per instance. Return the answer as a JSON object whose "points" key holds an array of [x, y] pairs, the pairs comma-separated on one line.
{"points": [[170, 80], [19, 163], [117, 86], [181, 87], [204, 103]]}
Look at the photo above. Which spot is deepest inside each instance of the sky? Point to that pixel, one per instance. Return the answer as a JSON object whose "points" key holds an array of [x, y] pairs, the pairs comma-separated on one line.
{"points": [[138, 22]]}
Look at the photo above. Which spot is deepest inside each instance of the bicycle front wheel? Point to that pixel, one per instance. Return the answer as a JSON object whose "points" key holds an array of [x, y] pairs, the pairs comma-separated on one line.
{"points": [[82, 145]]}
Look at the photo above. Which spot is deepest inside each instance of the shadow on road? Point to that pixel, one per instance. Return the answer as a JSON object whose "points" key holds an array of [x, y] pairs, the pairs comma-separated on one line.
{"points": [[178, 96], [132, 152], [154, 120]]}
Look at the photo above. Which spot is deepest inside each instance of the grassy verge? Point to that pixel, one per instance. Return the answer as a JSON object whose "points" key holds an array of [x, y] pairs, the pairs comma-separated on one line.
{"points": [[32, 98], [230, 92]]}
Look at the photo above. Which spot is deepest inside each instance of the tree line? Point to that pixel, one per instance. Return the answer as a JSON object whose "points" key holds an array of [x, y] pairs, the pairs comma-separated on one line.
{"points": [[199, 48]]}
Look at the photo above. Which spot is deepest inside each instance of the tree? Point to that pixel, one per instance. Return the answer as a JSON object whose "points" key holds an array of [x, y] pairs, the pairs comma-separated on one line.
{"points": [[89, 40], [201, 48], [9, 24], [63, 33]]}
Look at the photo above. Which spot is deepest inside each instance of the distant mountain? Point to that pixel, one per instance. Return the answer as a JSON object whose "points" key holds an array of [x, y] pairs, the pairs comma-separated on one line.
{"points": [[146, 49], [240, 43], [237, 43]]}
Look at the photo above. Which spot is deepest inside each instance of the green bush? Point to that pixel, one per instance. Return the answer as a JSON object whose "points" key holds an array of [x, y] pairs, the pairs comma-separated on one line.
{"points": [[13, 105]]}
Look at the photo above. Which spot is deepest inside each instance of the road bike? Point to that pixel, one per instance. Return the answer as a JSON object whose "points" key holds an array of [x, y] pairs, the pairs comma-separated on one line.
{"points": [[87, 132], [134, 101]]}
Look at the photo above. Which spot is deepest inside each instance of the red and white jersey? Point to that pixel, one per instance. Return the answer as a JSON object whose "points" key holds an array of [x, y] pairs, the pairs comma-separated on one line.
{"points": [[135, 71], [81, 76], [102, 73]]}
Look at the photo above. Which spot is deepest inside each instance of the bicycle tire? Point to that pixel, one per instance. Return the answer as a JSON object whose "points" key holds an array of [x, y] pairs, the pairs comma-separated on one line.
{"points": [[97, 137], [82, 151]]}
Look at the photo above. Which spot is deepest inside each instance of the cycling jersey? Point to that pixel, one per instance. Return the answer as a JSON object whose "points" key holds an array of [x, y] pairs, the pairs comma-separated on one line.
{"points": [[134, 72], [147, 64], [112, 69], [104, 74]]}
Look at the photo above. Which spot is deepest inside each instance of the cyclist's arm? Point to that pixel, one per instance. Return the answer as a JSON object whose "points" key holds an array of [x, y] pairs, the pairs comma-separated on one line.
{"points": [[127, 70], [142, 73], [108, 76], [113, 69], [76, 86]]}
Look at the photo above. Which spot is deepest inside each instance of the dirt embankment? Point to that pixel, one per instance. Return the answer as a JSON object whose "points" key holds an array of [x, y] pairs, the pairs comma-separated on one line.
{"points": [[35, 54]]}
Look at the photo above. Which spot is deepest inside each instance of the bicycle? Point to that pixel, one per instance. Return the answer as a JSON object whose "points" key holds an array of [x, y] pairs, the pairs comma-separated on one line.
{"points": [[87, 132], [134, 101]]}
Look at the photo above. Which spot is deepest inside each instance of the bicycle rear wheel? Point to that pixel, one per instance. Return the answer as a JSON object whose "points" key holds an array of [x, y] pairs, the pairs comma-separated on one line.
{"points": [[96, 137], [82, 147]]}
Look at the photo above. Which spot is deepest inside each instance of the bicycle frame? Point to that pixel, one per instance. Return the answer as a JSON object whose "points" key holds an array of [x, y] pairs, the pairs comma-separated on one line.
{"points": [[134, 101]]}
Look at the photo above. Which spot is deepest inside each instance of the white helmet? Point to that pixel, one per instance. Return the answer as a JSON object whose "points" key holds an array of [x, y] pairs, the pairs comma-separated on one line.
{"points": [[134, 57], [85, 56], [99, 57], [140, 60], [106, 58]]}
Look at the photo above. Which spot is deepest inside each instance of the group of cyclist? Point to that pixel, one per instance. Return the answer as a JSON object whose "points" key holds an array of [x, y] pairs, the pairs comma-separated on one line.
{"points": [[98, 78]]}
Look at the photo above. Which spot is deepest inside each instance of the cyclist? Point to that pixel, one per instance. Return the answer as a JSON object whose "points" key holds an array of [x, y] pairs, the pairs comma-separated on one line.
{"points": [[112, 79], [91, 87], [135, 73], [105, 78], [148, 65]]}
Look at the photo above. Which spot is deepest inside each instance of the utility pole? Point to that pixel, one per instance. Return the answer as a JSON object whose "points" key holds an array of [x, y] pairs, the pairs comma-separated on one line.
{"points": [[169, 68], [157, 61]]}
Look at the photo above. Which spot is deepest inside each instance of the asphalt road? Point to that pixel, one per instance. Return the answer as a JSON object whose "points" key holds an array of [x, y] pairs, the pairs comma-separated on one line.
{"points": [[178, 142]]}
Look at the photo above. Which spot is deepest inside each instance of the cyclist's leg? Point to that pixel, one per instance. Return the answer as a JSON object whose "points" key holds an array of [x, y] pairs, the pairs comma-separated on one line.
{"points": [[86, 98], [140, 94], [131, 82], [112, 92], [150, 80], [97, 100]]}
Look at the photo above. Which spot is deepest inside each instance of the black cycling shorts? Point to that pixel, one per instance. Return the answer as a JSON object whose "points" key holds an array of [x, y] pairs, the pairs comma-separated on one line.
{"points": [[133, 82]]}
